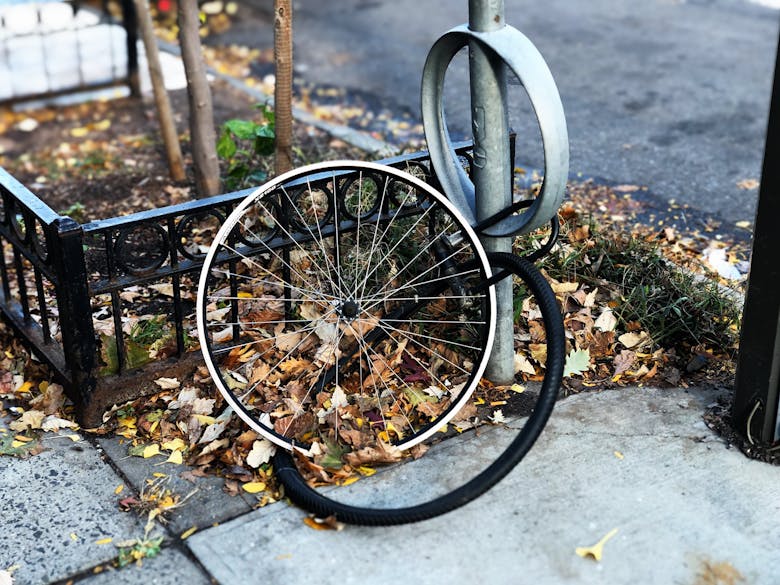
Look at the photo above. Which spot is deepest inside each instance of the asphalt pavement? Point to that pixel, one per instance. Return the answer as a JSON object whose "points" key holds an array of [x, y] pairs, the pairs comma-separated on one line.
{"points": [[668, 94]]}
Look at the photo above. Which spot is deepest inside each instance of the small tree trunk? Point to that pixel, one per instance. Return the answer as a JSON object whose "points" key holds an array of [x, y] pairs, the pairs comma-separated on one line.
{"points": [[203, 137], [164, 114], [283, 57]]}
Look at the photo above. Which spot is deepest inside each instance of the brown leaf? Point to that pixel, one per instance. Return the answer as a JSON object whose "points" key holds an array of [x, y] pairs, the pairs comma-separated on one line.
{"points": [[624, 361], [382, 454]]}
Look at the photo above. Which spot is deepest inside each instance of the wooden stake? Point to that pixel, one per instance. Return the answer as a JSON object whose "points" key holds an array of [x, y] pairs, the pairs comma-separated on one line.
{"points": [[163, 103], [203, 136]]}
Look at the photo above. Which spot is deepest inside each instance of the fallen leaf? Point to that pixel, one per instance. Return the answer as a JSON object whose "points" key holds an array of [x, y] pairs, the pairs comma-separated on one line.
{"points": [[577, 362], [633, 339], [262, 451], [329, 523], [30, 419], [119, 489], [175, 457], [189, 532], [53, 424], [498, 417], [596, 551], [173, 445], [106, 540], [150, 450], [253, 487], [213, 431], [624, 361], [522, 365], [606, 321], [167, 383], [564, 287], [748, 184]]}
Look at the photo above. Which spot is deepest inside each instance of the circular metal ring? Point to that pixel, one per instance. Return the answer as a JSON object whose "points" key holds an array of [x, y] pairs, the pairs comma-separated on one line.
{"points": [[358, 208], [188, 224], [141, 249], [522, 57]]}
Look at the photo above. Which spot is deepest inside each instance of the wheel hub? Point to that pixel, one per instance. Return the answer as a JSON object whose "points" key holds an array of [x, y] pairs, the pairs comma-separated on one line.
{"points": [[349, 309]]}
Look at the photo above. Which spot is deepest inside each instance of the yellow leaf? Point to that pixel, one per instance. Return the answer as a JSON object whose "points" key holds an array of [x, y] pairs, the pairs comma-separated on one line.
{"points": [[367, 471], [102, 125], [189, 532], [174, 445], [253, 487], [22, 438], [175, 458], [349, 480], [596, 551], [24, 388], [244, 295], [79, 132], [73, 536], [106, 540], [32, 419], [517, 388], [618, 454], [151, 450], [16, 444], [74, 438], [205, 419], [158, 474], [119, 489]]}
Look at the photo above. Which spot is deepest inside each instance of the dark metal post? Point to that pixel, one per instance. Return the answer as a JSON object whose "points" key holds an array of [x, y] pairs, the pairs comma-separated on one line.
{"points": [[755, 408], [130, 22], [492, 173], [75, 312]]}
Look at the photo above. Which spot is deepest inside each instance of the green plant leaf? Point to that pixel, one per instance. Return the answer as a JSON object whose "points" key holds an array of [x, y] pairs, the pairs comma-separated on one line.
{"points": [[226, 146], [264, 145], [241, 129], [577, 362]]}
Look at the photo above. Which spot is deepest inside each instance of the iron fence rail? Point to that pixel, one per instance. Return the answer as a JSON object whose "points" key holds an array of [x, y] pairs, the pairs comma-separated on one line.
{"points": [[68, 288]]}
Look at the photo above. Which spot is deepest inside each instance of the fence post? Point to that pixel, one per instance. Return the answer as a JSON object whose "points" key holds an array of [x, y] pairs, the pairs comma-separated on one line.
{"points": [[75, 312], [755, 408]]}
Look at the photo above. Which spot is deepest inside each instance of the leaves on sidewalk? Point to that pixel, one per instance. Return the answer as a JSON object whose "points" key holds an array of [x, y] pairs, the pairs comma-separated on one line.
{"points": [[596, 551]]}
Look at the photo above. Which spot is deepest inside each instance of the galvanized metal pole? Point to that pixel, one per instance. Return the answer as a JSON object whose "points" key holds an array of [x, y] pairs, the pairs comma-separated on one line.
{"points": [[491, 171]]}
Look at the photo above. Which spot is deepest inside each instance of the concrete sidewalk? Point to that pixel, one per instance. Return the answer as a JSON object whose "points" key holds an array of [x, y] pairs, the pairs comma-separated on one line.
{"points": [[687, 509]]}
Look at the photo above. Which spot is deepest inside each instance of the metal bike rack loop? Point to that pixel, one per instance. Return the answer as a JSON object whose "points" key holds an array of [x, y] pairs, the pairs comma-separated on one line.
{"points": [[493, 46]]}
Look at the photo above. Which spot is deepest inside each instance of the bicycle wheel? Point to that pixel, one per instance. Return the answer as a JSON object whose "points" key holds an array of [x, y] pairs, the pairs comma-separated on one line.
{"points": [[543, 326], [335, 308]]}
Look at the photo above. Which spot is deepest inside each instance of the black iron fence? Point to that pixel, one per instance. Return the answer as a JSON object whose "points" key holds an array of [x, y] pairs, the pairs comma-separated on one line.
{"points": [[110, 304], [56, 47]]}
